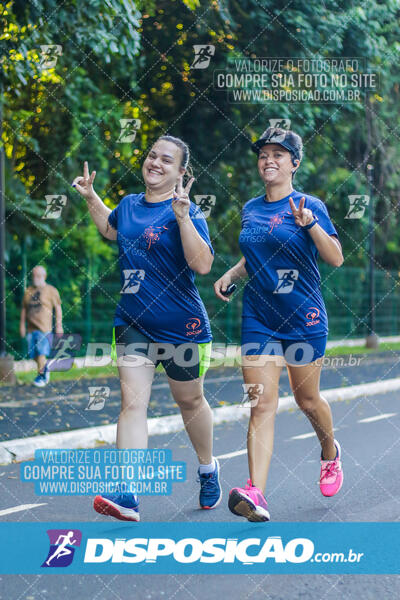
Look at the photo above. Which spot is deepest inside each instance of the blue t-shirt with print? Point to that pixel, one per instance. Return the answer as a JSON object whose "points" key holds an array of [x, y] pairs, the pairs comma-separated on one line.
{"points": [[158, 293], [283, 292]]}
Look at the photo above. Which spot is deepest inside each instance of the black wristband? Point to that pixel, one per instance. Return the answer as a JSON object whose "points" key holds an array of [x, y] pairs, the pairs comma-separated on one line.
{"points": [[315, 220]]}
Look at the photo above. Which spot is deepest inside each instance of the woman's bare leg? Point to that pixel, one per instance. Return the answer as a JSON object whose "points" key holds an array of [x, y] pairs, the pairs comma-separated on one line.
{"points": [[260, 435], [304, 381], [196, 414], [136, 382]]}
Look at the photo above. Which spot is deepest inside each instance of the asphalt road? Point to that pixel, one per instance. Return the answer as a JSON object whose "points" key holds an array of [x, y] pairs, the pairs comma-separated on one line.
{"points": [[370, 493], [27, 411]]}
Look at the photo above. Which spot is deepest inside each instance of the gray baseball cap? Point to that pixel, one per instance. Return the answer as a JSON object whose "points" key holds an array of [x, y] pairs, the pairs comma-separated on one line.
{"points": [[287, 139]]}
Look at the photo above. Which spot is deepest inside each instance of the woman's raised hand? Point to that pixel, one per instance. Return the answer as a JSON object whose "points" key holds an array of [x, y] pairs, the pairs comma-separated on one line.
{"points": [[302, 216], [181, 202], [84, 184]]}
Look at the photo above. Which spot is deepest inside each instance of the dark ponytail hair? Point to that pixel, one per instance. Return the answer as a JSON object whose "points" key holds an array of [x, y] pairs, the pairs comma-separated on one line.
{"points": [[185, 162]]}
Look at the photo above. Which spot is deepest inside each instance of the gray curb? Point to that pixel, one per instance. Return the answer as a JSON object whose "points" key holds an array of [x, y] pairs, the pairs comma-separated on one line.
{"points": [[24, 448]]}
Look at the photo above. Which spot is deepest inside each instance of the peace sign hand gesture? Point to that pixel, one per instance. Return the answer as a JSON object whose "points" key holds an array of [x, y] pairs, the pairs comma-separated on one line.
{"points": [[302, 216], [181, 202], [84, 185]]}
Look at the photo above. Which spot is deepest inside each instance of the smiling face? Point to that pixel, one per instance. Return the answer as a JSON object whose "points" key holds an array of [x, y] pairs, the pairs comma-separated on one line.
{"points": [[275, 164], [162, 166]]}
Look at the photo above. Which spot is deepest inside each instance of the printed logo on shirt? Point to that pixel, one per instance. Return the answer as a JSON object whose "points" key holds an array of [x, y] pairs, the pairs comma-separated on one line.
{"points": [[278, 219], [62, 547], [287, 278], [133, 279], [312, 315], [152, 234], [35, 304], [193, 326]]}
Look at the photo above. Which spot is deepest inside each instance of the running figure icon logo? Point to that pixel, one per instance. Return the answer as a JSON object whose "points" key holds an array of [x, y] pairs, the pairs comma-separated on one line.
{"points": [[62, 547], [287, 278], [63, 348], [97, 397], [193, 326], [357, 206], [129, 128], [251, 394], [312, 315], [280, 124], [49, 55], [133, 279], [205, 202], [202, 55], [54, 206]]}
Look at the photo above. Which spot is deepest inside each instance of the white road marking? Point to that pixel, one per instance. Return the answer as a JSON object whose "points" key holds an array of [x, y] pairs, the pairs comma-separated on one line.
{"points": [[15, 509], [377, 418], [304, 436], [232, 454]]}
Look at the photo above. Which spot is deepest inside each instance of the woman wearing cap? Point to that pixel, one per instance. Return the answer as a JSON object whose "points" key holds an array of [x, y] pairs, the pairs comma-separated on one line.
{"points": [[284, 319], [163, 240]]}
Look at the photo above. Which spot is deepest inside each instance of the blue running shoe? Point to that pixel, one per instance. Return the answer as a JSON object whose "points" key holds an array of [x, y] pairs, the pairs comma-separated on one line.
{"points": [[124, 507], [40, 380], [210, 488]]}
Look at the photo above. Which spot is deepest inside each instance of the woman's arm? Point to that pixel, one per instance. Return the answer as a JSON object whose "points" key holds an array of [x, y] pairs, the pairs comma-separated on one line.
{"points": [[99, 213], [328, 246], [197, 252]]}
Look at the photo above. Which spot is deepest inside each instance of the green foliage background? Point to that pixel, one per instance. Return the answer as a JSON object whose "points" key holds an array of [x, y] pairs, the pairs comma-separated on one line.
{"points": [[125, 59]]}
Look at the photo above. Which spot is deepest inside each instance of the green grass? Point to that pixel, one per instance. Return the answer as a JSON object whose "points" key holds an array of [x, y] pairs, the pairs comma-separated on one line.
{"points": [[110, 371], [74, 373], [383, 347]]}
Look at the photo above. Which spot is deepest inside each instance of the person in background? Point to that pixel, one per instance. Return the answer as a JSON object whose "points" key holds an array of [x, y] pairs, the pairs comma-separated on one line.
{"points": [[38, 303]]}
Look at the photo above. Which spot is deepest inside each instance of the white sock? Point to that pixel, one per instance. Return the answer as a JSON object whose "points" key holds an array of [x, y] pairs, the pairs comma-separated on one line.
{"points": [[207, 468]]}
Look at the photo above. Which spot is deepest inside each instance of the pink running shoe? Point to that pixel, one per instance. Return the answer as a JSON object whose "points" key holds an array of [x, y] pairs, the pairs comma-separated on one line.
{"points": [[249, 502], [331, 477]]}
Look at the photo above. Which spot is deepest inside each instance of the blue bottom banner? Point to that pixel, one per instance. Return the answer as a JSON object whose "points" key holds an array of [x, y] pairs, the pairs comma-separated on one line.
{"points": [[199, 547]]}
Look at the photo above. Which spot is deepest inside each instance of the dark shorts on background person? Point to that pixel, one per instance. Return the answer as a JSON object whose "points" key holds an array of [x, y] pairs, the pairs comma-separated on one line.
{"points": [[39, 343], [182, 362], [294, 351]]}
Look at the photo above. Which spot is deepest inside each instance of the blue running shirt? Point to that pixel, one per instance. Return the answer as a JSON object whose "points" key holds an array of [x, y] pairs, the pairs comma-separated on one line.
{"points": [[283, 291], [158, 293]]}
